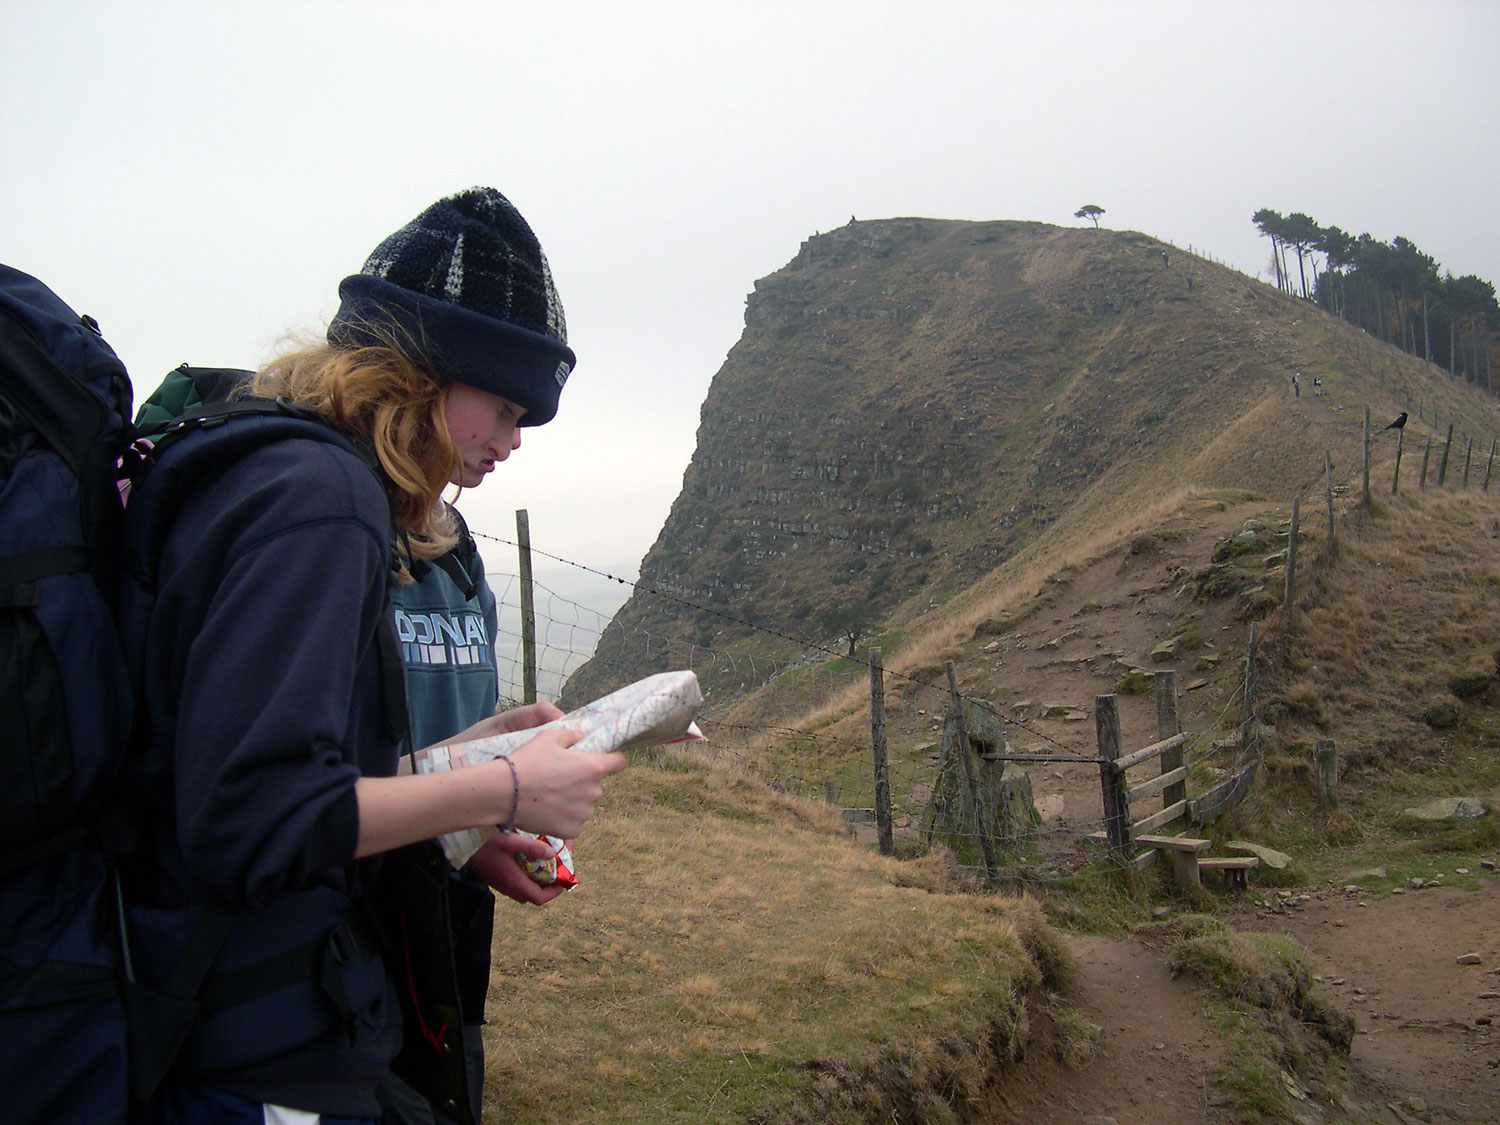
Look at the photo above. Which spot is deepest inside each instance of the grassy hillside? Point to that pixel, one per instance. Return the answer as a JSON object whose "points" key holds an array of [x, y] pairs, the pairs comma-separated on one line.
{"points": [[916, 405], [733, 955]]}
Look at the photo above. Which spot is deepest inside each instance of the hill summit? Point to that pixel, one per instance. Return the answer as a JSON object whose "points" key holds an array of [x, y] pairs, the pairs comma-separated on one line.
{"points": [[913, 401]]}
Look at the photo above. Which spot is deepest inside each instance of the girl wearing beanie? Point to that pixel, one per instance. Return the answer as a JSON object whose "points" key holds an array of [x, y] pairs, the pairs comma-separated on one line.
{"points": [[271, 679]]}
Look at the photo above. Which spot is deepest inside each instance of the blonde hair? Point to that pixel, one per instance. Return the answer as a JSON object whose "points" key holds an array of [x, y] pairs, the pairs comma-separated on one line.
{"points": [[394, 404]]}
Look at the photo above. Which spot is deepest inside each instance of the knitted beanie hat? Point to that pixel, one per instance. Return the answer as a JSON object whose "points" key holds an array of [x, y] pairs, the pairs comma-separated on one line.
{"points": [[467, 284]]}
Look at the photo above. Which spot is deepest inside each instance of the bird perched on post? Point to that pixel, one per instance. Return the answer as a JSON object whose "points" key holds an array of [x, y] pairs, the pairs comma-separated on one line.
{"points": [[1399, 423]]}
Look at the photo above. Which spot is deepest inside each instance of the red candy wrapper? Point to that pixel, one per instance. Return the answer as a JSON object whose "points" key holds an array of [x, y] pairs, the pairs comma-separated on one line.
{"points": [[558, 870]]}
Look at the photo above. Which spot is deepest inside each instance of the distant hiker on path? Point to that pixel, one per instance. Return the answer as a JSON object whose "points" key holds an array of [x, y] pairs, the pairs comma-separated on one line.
{"points": [[1318, 385], [1296, 388]]}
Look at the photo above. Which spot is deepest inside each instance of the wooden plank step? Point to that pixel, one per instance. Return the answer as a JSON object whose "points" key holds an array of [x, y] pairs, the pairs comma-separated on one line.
{"points": [[1228, 862], [1143, 861], [1175, 843]]}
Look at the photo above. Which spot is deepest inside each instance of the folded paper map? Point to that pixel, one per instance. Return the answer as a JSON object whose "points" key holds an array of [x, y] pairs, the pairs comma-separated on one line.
{"points": [[649, 712]]}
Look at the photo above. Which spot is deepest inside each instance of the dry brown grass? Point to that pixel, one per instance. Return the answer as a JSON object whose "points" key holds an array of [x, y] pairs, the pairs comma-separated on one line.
{"points": [[730, 951], [731, 955], [1410, 604], [1392, 656]]}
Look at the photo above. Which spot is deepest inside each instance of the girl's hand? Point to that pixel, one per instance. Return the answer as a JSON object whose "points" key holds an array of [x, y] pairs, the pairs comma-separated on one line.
{"points": [[559, 787], [496, 864], [526, 716]]}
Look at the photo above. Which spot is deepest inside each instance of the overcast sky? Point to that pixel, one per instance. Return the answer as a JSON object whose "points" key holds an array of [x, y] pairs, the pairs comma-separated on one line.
{"points": [[199, 176]]}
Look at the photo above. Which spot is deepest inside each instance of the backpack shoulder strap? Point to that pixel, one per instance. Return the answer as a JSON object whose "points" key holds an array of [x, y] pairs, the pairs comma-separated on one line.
{"points": [[458, 563], [178, 456]]}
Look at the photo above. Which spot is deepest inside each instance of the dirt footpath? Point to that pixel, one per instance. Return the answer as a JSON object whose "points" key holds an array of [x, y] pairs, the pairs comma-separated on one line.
{"points": [[1426, 1019], [1426, 1048], [1149, 1064]]}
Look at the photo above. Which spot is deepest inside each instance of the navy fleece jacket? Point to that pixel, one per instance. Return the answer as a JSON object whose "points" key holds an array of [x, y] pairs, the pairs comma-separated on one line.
{"points": [[263, 689]]}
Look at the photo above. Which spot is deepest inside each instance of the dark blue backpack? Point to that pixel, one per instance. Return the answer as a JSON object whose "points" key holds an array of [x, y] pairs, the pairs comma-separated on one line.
{"points": [[81, 1039], [65, 706]]}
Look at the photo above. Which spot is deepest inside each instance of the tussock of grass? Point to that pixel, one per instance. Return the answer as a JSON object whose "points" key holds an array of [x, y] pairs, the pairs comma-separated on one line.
{"points": [[731, 954], [1100, 900], [1077, 1039], [1262, 969], [1265, 1007]]}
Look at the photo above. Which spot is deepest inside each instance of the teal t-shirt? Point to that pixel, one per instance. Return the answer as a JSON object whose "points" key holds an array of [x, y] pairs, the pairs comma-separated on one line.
{"points": [[447, 646]]}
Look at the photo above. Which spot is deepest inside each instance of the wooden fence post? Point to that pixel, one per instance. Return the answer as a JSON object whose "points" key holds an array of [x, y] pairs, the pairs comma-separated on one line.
{"points": [[1328, 773], [1426, 455], [1168, 723], [1328, 495], [528, 609], [1443, 464], [1249, 686], [1488, 465], [1468, 456], [1365, 458], [981, 826], [877, 749], [1111, 782], [1289, 595], [1396, 476], [1291, 562]]}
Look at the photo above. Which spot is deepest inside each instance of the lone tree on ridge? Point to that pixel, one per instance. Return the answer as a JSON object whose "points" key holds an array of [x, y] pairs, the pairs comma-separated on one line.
{"points": [[1090, 211]]}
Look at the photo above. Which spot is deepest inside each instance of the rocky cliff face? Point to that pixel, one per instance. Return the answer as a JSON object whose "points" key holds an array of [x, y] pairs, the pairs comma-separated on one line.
{"points": [[912, 400]]}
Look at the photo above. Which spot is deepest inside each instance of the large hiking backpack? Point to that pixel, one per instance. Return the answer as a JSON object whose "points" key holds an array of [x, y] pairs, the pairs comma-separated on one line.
{"points": [[65, 698], [65, 707], [81, 1039]]}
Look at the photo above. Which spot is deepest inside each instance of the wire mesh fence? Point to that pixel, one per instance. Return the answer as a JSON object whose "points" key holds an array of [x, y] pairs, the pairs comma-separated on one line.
{"points": [[814, 675], [936, 793]]}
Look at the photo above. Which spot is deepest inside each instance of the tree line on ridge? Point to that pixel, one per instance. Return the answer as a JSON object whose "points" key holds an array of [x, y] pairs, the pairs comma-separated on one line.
{"points": [[1392, 290]]}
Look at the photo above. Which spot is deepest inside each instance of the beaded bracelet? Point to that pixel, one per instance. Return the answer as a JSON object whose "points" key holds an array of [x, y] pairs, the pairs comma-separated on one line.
{"points": [[515, 797]]}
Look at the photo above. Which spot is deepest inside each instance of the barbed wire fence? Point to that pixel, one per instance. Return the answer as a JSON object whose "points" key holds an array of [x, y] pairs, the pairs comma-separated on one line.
{"points": [[837, 768], [818, 765]]}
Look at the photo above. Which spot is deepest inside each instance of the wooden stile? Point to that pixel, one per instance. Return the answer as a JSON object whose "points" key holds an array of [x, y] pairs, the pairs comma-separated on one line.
{"points": [[1136, 757]]}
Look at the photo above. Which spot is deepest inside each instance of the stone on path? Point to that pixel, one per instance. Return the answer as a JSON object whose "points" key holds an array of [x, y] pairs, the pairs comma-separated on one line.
{"points": [[1447, 808], [1278, 861]]}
